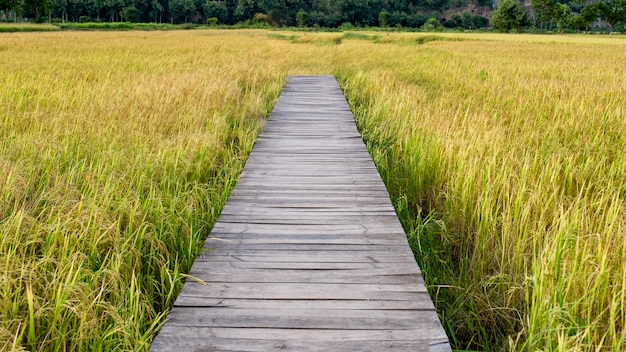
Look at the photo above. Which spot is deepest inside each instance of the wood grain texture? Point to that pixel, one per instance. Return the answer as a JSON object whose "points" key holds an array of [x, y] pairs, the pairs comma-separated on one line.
{"points": [[308, 253]]}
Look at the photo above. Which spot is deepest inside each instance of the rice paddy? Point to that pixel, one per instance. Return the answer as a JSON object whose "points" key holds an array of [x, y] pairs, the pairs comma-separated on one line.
{"points": [[504, 155]]}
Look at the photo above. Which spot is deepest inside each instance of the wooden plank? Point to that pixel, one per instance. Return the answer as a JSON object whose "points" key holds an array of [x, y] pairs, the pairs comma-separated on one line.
{"points": [[303, 239], [298, 318], [319, 221], [309, 258], [284, 265], [237, 275], [191, 339], [425, 332], [260, 208], [304, 229], [307, 246], [312, 291], [421, 301], [185, 344], [308, 254]]}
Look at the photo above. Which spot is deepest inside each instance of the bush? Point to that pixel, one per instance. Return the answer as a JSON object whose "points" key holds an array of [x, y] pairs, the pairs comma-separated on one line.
{"points": [[347, 26], [302, 18], [432, 25], [383, 18]]}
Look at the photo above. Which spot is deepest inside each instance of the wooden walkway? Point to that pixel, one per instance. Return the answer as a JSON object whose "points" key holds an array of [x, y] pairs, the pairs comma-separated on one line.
{"points": [[308, 254]]}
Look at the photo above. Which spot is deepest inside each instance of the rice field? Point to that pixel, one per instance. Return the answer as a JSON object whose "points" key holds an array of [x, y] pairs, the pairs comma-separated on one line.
{"points": [[505, 156]]}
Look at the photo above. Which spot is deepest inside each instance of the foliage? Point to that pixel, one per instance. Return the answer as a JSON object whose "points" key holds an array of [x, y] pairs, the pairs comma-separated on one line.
{"points": [[312, 13], [509, 15], [346, 26], [612, 11], [432, 24], [543, 9], [589, 13], [302, 18], [37, 7], [384, 17], [129, 14], [28, 27], [213, 9], [562, 15], [9, 5], [181, 10]]}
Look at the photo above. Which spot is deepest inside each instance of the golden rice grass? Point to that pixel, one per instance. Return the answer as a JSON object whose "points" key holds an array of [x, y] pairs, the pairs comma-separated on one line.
{"points": [[504, 155]]}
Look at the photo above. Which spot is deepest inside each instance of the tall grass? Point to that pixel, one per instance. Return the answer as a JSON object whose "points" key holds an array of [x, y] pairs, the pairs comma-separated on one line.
{"points": [[117, 152], [28, 27], [507, 163], [504, 156]]}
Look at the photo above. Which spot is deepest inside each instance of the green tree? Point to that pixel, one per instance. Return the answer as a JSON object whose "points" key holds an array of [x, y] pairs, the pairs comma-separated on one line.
{"points": [[383, 18], [588, 14], [182, 9], [8, 6], [302, 18], [400, 5], [543, 9], [37, 7], [317, 18], [455, 21], [612, 12], [214, 9], [356, 12], [398, 18], [60, 9], [282, 12], [432, 24], [113, 8], [509, 15], [578, 22], [156, 10], [561, 15], [130, 14], [245, 10], [415, 20], [467, 21]]}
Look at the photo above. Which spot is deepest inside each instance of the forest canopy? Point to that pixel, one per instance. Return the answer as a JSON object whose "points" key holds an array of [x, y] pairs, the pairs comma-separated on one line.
{"points": [[305, 13]]}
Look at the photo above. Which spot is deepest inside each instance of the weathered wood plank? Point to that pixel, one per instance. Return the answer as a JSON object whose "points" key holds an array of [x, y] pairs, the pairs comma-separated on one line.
{"points": [[305, 229], [308, 254], [307, 246], [312, 291], [422, 301], [206, 274], [303, 239], [309, 258], [298, 318], [426, 332], [225, 265], [184, 344], [188, 342]]}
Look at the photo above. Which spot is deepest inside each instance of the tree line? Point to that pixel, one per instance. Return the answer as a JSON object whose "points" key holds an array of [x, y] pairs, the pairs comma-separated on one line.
{"points": [[322, 13], [546, 14], [507, 15]]}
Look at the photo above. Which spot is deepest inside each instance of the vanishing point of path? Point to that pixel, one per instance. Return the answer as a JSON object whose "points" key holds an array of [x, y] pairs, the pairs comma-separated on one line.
{"points": [[308, 254]]}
